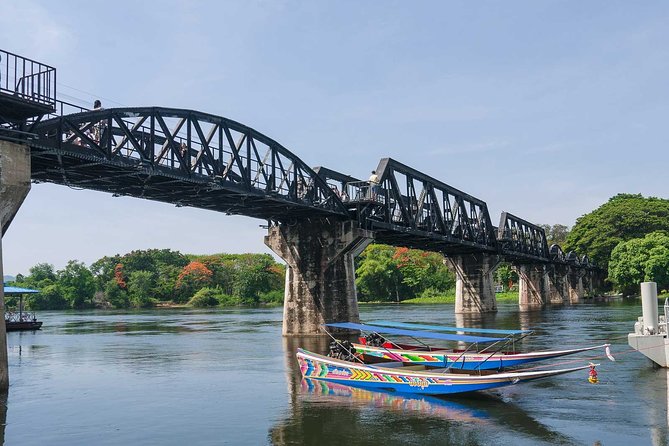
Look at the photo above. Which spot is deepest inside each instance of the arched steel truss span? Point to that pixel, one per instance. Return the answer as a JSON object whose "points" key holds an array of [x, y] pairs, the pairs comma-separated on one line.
{"points": [[183, 157]]}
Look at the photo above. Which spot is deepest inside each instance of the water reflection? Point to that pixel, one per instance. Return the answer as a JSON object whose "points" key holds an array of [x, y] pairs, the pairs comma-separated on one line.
{"points": [[317, 392], [658, 409], [3, 416], [328, 413]]}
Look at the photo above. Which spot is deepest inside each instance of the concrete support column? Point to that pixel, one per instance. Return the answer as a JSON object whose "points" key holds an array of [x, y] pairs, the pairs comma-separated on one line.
{"points": [[556, 285], [320, 275], [474, 283], [14, 186], [588, 285], [575, 285], [531, 287]]}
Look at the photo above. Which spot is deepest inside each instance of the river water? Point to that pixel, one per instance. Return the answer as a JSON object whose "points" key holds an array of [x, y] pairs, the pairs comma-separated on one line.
{"points": [[211, 377]]}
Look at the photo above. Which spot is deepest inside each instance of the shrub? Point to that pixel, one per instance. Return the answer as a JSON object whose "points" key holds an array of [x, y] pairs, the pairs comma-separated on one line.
{"points": [[205, 297], [272, 297]]}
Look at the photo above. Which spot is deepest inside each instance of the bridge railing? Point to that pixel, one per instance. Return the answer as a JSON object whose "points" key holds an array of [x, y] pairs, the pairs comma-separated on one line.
{"points": [[27, 79], [364, 192]]}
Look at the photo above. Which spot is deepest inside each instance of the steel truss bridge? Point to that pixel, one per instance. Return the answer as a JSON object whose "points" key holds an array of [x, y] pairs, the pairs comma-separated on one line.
{"points": [[190, 158]]}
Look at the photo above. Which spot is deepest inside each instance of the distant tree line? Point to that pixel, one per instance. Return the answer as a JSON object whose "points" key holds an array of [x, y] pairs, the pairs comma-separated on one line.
{"points": [[146, 278], [628, 236]]}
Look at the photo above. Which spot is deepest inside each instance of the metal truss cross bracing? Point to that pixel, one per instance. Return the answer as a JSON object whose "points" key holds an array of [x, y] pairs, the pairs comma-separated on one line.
{"points": [[410, 208], [520, 240], [183, 157]]}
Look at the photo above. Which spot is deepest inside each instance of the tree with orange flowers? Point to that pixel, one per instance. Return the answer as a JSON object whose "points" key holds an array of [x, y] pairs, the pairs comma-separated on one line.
{"points": [[192, 278]]}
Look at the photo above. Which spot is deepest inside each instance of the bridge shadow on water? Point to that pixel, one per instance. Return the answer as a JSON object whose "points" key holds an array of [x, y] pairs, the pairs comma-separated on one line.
{"points": [[328, 413]]}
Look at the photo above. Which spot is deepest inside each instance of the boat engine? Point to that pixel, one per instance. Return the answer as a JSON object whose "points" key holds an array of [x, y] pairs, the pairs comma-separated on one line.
{"points": [[375, 340], [342, 350]]}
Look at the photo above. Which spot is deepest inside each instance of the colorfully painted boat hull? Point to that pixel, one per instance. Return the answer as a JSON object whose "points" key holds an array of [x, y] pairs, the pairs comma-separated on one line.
{"points": [[466, 361], [399, 379]]}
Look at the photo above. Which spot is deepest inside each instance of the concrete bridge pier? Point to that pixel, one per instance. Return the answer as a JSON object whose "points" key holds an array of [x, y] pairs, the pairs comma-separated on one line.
{"points": [[574, 285], [14, 187], [588, 283], [556, 285], [474, 282], [320, 276], [531, 287]]}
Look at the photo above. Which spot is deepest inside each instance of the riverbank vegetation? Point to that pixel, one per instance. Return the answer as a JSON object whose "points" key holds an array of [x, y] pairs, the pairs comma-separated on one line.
{"points": [[161, 277], [449, 298], [627, 236], [146, 278]]}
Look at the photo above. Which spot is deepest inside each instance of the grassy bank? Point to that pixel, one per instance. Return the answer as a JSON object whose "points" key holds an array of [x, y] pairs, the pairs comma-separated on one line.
{"points": [[449, 298]]}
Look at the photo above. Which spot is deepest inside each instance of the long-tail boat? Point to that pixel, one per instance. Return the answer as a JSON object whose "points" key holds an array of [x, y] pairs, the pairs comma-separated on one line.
{"points": [[479, 352], [416, 379]]}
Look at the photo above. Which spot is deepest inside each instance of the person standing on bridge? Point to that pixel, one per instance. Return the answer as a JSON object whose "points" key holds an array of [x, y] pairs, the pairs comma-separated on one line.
{"points": [[374, 183], [100, 126]]}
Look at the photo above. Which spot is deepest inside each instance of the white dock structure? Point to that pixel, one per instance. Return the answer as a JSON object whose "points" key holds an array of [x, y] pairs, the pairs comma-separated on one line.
{"points": [[650, 330]]}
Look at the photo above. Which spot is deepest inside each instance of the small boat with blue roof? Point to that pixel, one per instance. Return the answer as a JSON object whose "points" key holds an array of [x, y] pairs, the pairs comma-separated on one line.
{"points": [[479, 352], [20, 320]]}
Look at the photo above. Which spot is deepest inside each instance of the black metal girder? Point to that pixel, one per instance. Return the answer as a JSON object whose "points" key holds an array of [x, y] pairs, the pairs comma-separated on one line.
{"points": [[521, 241], [426, 213], [183, 157]]}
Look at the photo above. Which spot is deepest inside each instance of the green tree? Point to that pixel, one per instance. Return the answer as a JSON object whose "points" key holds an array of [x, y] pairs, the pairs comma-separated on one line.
{"points": [[255, 276], [422, 270], [377, 275], [192, 278], [41, 275], [224, 269], [505, 274], [624, 217], [640, 260], [77, 283], [206, 297], [50, 297], [140, 285], [115, 295], [103, 270], [556, 234]]}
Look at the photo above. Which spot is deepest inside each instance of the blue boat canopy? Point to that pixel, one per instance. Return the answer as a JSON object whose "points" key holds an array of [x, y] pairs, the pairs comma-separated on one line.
{"points": [[18, 290], [413, 333], [444, 328]]}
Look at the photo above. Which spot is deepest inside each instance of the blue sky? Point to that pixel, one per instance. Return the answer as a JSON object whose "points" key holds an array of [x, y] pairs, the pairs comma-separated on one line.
{"points": [[542, 109]]}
